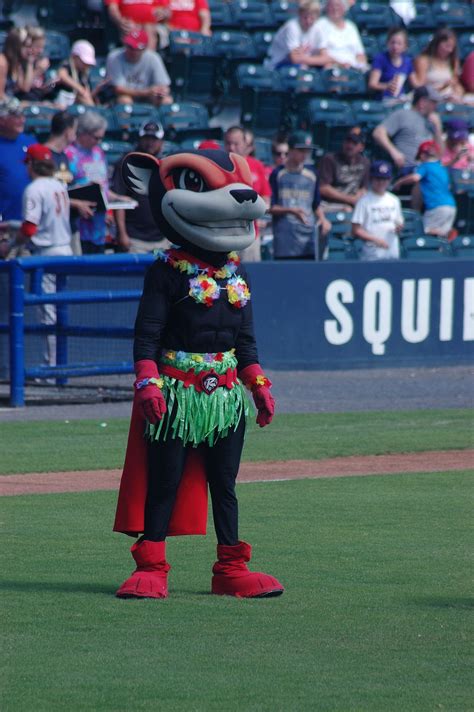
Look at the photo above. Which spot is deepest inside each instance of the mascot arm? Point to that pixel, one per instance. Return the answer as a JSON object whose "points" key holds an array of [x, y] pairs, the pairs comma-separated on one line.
{"points": [[152, 316], [254, 378], [148, 393]]}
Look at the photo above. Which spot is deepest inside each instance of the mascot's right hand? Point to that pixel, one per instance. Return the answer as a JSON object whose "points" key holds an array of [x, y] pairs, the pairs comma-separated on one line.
{"points": [[148, 393]]}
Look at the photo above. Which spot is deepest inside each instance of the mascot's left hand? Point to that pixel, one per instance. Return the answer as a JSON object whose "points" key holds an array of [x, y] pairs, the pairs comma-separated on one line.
{"points": [[265, 404], [254, 378], [148, 394]]}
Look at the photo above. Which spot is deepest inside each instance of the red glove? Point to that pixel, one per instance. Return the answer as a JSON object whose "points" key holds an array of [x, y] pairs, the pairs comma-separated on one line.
{"points": [[254, 378], [147, 391]]}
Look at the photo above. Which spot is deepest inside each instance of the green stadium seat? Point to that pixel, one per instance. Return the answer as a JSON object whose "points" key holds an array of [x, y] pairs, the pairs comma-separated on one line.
{"points": [[453, 14], [463, 246], [413, 224], [262, 42], [194, 69], [221, 15], [339, 249], [462, 181], [283, 10], [424, 19], [447, 111], [186, 119], [424, 247], [252, 15], [57, 47], [465, 44], [348, 83], [373, 16], [114, 150], [368, 112]]}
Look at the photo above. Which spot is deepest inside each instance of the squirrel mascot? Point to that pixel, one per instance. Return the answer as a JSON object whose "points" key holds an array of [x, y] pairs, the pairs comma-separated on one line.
{"points": [[194, 351]]}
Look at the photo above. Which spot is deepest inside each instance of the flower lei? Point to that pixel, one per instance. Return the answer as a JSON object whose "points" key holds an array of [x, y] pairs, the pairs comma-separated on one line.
{"points": [[203, 288]]}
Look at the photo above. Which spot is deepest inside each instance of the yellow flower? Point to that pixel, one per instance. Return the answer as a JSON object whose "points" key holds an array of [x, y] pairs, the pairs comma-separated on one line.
{"points": [[171, 355], [260, 380], [198, 358]]}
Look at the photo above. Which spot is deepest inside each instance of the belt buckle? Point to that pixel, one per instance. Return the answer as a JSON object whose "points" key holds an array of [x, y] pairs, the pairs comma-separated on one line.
{"points": [[209, 381]]}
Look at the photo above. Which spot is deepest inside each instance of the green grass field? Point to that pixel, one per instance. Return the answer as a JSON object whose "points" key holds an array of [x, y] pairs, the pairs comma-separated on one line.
{"points": [[374, 617], [376, 569], [86, 444]]}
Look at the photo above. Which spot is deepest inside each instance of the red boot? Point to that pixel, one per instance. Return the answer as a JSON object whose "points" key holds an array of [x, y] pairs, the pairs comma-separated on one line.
{"points": [[232, 577], [150, 578]]}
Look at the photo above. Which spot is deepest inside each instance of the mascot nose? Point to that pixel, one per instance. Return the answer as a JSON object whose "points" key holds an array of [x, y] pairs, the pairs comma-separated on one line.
{"points": [[242, 195]]}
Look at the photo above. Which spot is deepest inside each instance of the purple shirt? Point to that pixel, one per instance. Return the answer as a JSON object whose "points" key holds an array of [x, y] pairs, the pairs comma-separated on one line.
{"points": [[89, 167], [388, 70]]}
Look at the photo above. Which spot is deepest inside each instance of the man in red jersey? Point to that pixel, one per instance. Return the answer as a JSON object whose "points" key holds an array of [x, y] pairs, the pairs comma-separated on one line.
{"points": [[234, 142]]}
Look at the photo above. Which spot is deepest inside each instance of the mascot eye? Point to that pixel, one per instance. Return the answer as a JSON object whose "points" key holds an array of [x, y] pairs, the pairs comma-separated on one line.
{"points": [[187, 179]]}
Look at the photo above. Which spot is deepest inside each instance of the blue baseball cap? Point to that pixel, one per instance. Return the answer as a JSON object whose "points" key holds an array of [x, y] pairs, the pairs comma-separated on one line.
{"points": [[381, 169]]}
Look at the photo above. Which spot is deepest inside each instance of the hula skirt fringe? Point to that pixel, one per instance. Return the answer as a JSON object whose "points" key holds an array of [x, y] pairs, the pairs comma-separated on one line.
{"points": [[196, 417]]}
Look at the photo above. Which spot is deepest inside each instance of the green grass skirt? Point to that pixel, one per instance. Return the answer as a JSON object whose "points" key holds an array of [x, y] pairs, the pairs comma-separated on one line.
{"points": [[196, 417]]}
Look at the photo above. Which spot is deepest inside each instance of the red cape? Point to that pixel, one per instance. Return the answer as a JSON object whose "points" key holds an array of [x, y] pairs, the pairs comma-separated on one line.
{"points": [[190, 510]]}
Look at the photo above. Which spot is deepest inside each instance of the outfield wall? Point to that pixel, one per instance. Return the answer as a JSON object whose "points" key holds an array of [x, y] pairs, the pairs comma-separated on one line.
{"points": [[312, 316]]}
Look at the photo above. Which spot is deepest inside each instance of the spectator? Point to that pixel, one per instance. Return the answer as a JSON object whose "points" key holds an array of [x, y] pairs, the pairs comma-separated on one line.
{"points": [[73, 76], [344, 176], [192, 15], [339, 39], [136, 73], [137, 231], [439, 202], [459, 153], [16, 63], [401, 132], [88, 165], [35, 84], [405, 9], [279, 154], [297, 41], [295, 206], [234, 141], [392, 70], [46, 225], [133, 15], [63, 134], [438, 67], [377, 218], [13, 144], [467, 74]]}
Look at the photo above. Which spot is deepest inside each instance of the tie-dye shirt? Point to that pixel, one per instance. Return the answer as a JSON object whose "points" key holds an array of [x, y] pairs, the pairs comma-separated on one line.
{"points": [[89, 167]]}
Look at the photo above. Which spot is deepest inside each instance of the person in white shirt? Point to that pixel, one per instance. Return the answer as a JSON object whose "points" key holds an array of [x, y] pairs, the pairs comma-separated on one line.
{"points": [[377, 218], [339, 40], [46, 226], [297, 41]]}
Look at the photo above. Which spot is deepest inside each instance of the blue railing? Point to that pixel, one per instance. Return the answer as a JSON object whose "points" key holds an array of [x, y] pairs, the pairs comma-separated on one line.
{"points": [[20, 298]]}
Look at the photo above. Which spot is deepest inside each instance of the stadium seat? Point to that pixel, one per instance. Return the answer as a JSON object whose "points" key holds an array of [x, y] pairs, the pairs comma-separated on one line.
{"points": [[194, 69], [462, 181], [463, 246], [344, 82], [447, 111], [114, 150], [412, 224], [293, 78], [221, 15], [38, 120], [263, 109], [233, 45], [424, 19], [371, 45], [453, 14], [62, 15], [425, 248], [283, 10], [252, 15], [57, 47], [329, 120], [373, 16], [184, 120], [341, 225], [368, 113], [262, 42], [255, 75], [129, 117], [339, 249]]}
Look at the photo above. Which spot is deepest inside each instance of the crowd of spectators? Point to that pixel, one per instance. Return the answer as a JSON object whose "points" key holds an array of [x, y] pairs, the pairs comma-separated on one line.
{"points": [[300, 194]]}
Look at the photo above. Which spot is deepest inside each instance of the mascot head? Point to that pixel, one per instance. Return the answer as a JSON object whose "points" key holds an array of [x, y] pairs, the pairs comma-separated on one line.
{"points": [[200, 199]]}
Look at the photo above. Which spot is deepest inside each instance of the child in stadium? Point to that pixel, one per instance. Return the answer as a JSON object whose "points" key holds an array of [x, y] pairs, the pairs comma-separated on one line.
{"points": [[377, 218], [433, 178]]}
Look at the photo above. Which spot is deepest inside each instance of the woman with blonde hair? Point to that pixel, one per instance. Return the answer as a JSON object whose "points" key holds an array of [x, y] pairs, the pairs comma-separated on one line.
{"points": [[438, 65], [16, 63], [73, 76]]}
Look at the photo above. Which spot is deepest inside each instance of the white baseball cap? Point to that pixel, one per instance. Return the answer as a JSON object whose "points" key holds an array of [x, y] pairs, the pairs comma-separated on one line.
{"points": [[85, 51]]}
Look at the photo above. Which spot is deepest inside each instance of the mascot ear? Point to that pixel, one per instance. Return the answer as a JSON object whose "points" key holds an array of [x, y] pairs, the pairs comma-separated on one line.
{"points": [[137, 169]]}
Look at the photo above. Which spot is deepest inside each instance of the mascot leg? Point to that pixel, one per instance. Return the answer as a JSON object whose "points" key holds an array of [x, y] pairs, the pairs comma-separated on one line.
{"points": [[231, 576], [150, 578]]}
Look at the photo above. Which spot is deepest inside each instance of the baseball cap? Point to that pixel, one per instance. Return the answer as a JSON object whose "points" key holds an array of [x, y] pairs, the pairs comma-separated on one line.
{"points": [[430, 147], [209, 144], [381, 169], [136, 39], [10, 106], [426, 93], [151, 128], [457, 129], [301, 139], [38, 152], [355, 134], [85, 51]]}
